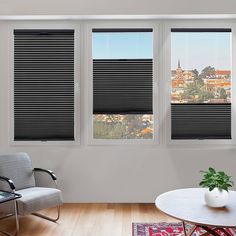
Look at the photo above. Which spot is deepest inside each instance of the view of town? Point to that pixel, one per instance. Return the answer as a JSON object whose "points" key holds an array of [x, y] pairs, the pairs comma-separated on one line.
{"points": [[210, 85], [117, 126]]}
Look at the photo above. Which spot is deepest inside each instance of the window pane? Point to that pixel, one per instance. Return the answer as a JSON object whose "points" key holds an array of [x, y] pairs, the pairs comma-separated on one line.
{"points": [[122, 45], [201, 83], [201, 67], [122, 84], [123, 126]]}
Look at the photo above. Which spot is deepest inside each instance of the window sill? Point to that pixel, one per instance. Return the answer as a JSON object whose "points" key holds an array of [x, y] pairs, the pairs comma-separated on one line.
{"points": [[201, 143], [123, 142]]}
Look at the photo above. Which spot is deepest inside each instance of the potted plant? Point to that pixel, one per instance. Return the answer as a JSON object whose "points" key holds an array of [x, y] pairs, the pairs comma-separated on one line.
{"points": [[218, 184]]}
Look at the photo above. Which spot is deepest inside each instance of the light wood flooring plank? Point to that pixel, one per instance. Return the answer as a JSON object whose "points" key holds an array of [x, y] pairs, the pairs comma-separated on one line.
{"points": [[89, 220]]}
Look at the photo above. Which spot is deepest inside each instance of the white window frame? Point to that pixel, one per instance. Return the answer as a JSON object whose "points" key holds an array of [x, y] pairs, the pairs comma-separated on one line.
{"points": [[89, 82], [161, 77], [77, 58], [167, 74]]}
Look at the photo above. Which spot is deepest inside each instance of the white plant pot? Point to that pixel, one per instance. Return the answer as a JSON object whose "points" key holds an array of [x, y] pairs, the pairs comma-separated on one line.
{"points": [[216, 197]]}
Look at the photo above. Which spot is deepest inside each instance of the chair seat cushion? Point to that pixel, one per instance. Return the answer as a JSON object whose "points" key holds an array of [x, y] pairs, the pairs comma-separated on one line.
{"points": [[37, 198]]}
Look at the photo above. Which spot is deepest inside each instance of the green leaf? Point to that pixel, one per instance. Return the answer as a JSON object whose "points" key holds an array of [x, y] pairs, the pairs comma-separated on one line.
{"points": [[222, 173], [225, 188], [212, 170], [211, 188], [201, 183]]}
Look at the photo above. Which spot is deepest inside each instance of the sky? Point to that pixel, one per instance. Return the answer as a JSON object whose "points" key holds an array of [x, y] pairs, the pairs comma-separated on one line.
{"points": [[194, 50], [198, 50], [122, 45]]}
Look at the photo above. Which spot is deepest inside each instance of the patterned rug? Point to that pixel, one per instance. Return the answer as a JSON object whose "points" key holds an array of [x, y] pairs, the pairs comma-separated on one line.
{"points": [[169, 229]]}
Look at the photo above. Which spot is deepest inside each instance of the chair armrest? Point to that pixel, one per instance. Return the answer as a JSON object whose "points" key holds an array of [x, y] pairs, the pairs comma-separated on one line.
{"points": [[9, 181], [46, 171]]}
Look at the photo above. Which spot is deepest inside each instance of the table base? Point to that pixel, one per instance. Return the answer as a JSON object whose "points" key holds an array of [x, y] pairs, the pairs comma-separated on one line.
{"points": [[209, 230]]}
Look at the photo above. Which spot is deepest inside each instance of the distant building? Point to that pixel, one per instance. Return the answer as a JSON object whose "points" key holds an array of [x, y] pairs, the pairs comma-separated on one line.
{"points": [[222, 73], [178, 79]]}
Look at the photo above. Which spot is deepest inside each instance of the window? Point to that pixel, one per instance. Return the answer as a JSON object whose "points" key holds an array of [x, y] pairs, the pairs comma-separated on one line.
{"points": [[122, 83], [201, 83], [43, 85]]}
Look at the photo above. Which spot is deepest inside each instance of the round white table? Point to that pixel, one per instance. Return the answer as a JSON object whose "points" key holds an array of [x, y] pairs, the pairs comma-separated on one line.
{"points": [[188, 205]]}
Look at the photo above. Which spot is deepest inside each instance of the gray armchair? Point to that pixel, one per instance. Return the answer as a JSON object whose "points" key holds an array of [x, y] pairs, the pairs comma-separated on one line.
{"points": [[16, 173]]}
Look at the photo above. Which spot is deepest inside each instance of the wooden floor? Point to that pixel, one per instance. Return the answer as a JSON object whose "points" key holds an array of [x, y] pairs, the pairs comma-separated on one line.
{"points": [[89, 220]]}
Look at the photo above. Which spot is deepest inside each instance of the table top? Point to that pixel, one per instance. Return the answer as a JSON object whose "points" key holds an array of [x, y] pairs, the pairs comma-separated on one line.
{"points": [[189, 205], [8, 196]]}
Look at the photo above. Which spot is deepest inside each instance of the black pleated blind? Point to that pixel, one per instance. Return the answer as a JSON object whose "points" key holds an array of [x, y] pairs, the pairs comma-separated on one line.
{"points": [[122, 86], [201, 30], [201, 121], [122, 30], [44, 84]]}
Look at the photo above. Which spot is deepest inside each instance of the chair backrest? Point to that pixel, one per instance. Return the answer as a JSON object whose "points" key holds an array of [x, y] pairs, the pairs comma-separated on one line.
{"points": [[18, 168]]}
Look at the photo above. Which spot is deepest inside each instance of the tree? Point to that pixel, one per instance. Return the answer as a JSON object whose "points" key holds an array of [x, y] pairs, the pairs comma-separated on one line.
{"points": [[196, 92], [196, 78], [195, 73], [205, 95], [191, 92], [223, 94], [208, 73]]}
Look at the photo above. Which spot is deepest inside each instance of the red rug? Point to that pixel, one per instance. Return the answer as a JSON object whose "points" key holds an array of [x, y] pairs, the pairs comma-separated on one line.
{"points": [[169, 229]]}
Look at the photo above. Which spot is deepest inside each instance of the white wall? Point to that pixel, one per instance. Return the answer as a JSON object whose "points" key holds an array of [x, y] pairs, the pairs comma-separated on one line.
{"points": [[111, 174], [120, 7]]}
